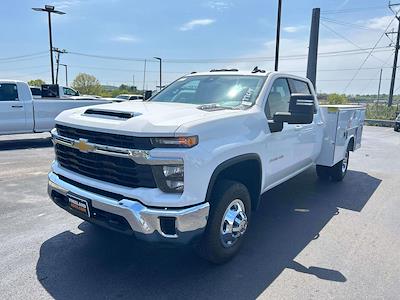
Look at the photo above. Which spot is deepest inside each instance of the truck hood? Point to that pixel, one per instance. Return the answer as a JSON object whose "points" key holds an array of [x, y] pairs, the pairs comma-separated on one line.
{"points": [[142, 118]]}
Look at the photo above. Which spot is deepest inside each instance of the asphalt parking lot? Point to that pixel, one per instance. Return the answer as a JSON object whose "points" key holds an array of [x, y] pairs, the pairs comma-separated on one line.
{"points": [[309, 239]]}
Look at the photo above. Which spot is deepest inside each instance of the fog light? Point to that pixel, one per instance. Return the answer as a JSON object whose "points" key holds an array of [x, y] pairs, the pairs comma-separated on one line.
{"points": [[169, 179], [175, 185]]}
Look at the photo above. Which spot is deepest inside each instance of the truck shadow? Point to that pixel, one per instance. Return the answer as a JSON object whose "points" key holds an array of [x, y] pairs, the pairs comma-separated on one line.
{"points": [[100, 264], [44, 142]]}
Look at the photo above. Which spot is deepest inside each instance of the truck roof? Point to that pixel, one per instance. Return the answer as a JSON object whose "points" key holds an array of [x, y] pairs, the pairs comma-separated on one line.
{"points": [[223, 72], [11, 81], [243, 73]]}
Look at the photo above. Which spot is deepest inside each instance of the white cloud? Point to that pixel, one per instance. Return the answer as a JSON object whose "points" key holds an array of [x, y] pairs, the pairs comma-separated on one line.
{"points": [[125, 38], [195, 23], [292, 29], [219, 4], [379, 22]]}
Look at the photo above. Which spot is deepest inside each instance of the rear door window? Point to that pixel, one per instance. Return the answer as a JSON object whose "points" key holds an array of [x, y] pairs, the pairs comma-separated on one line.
{"points": [[8, 92], [299, 86]]}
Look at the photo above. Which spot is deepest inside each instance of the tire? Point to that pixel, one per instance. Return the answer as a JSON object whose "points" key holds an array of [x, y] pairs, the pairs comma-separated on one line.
{"points": [[338, 171], [228, 196], [323, 172]]}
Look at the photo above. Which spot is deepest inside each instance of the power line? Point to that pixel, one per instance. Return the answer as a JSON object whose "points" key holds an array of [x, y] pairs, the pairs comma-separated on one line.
{"points": [[382, 67], [346, 39], [350, 10], [108, 57], [238, 59], [339, 22], [23, 59], [23, 56], [369, 54], [124, 70]]}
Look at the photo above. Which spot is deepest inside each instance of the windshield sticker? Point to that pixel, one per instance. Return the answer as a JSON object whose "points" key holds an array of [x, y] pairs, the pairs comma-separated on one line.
{"points": [[247, 96]]}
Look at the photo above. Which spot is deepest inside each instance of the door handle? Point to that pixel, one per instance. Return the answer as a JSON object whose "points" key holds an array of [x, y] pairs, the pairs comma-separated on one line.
{"points": [[320, 123], [16, 106]]}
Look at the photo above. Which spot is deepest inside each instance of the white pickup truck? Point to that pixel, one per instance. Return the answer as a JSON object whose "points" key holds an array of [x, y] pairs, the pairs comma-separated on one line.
{"points": [[21, 113], [190, 164]]}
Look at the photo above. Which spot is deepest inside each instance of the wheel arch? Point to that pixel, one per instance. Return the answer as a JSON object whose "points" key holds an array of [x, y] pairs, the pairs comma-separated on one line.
{"points": [[350, 144], [248, 165]]}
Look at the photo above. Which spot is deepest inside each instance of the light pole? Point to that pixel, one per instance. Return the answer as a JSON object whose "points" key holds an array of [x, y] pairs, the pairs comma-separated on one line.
{"points": [[278, 34], [159, 58], [50, 9], [66, 74]]}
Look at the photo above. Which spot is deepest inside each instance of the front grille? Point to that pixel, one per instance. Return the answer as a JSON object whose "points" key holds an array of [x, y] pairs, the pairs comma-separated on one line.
{"points": [[109, 139], [118, 170]]}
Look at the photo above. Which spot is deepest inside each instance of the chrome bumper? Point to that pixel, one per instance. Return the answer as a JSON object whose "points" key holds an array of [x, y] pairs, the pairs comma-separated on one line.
{"points": [[145, 222]]}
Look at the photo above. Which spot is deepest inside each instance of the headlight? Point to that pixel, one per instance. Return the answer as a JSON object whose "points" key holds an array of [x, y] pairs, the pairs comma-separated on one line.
{"points": [[176, 142], [169, 179]]}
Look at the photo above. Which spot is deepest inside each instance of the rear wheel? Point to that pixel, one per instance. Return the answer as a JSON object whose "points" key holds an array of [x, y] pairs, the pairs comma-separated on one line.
{"points": [[339, 170], [230, 210]]}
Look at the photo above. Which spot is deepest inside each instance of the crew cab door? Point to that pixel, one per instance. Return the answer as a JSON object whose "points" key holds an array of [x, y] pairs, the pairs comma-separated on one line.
{"points": [[309, 135], [279, 154], [12, 110]]}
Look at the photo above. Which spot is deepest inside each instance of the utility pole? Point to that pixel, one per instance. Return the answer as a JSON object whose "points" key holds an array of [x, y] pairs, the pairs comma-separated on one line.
{"points": [[278, 34], [133, 80], [66, 74], [160, 60], [396, 54], [50, 9], [144, 77], [379, 86], [58, 51], [313, 47]]}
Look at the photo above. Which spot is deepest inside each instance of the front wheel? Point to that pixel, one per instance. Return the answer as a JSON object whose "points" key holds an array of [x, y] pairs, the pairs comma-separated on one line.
{"points": [[230, 209]]}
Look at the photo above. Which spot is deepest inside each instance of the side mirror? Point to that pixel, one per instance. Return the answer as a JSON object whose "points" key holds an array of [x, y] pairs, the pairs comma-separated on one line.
{"points": [[147, 94], [301, 111]]}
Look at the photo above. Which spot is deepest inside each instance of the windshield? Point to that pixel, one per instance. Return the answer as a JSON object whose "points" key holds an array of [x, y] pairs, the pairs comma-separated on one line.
{"points": [[231, 91], [125, 97]]}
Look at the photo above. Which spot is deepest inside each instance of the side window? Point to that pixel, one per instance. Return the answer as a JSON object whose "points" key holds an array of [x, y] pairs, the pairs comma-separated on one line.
{"points": [[299, 87], [69, 92], [8, 92], [278, 98]]}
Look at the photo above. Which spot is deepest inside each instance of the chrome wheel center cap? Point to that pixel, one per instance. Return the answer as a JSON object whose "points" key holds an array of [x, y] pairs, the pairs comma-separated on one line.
{"points": [[234, 223]]}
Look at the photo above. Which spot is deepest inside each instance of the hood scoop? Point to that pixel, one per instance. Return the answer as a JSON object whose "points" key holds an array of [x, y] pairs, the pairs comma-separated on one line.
{"points": [[111, 113]]}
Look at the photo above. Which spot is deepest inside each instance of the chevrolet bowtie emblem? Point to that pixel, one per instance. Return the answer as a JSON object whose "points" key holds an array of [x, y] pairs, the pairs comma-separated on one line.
{"points": [[83, 146]]}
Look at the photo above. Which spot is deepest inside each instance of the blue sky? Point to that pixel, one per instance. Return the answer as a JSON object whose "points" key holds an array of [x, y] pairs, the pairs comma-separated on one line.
{"points": [[194, 30]]}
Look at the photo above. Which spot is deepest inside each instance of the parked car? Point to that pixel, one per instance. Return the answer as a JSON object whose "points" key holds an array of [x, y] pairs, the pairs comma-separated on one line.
{"points": [[130, 97], [190, 164], [397, 123], [20, 112]]}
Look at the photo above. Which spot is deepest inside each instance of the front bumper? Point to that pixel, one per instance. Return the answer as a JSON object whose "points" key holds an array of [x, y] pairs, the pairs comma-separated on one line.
{"points": [[179, 225]]}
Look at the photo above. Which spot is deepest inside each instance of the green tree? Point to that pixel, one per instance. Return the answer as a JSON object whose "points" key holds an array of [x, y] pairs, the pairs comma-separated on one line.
{"points": [[87, 84], [36, 82], [337, 99]]}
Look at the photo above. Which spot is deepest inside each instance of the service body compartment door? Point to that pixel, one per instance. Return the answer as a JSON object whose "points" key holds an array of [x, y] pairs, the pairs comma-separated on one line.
{"points": [[342, 123]]}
